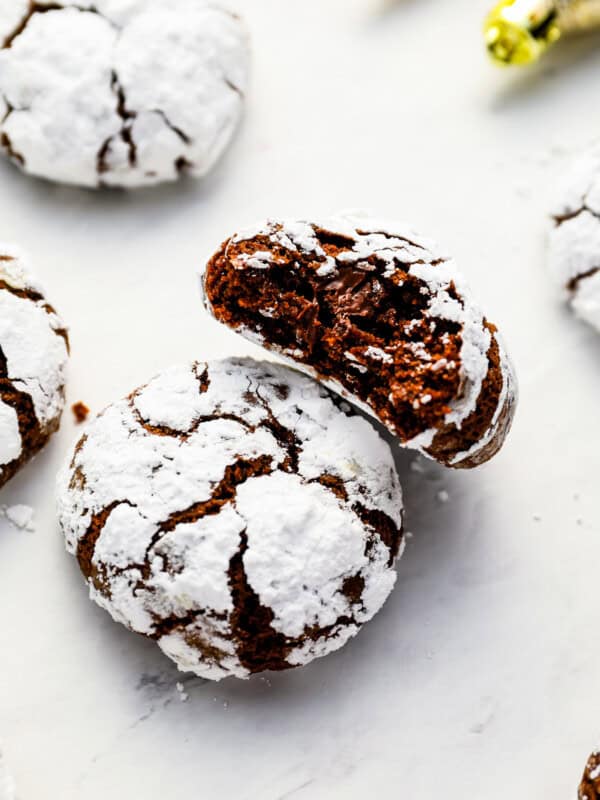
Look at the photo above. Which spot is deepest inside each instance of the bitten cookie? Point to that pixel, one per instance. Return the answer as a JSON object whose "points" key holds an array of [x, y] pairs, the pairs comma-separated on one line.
{"points": [[589, 788], [378, 314], [237, 513], [119, 92], [574, 242], [33, 359]]}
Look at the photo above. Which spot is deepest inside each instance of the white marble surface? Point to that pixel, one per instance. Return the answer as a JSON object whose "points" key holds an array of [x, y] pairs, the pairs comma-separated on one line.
{"points": [[480, 677]]}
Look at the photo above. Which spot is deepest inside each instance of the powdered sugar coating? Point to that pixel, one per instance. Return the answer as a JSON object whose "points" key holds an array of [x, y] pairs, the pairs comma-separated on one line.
{"points": [[230, 506], [120, 92], [33, 359], [449, 299], [574, 241]]}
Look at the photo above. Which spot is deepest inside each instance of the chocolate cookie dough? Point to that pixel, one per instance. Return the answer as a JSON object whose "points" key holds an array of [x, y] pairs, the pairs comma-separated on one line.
{"points": [[237, 513], [119, 92], [33, 358], [378, 314]]}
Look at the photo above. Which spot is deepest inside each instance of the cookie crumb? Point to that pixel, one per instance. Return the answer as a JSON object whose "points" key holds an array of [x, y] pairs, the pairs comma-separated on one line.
{"points": [[80, 412], [183, 695], [20, 517]]}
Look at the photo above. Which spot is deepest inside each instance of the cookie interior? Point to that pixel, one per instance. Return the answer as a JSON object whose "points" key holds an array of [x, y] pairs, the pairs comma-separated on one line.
{"points": [[363, 327]]}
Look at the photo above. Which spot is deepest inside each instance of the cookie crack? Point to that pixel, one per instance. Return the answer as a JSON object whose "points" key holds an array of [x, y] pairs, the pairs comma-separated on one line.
{"points": [[231, 85], [376, 521], [176, 130], [25, 294], [173, 433], [259, 646], [125, 134], [224, 492], [392, 238], [574, 283], [168, 625], [38, 299], [194, 636], [34, 8], [203, 378], [285, 437], [38, 8], [383, 526], [252, 623], [7, 146], [33, 437], [86, 547], [560, 219]]}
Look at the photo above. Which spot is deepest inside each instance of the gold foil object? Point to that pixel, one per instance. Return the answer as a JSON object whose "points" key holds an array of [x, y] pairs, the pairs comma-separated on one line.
{"points": [[520, 31]]}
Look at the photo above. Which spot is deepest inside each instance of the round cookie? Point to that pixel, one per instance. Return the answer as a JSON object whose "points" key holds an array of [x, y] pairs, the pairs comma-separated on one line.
{"points": [[378, 314], [589, 788], [574, 241], [237, 513], [34, 349], [119, 92]]}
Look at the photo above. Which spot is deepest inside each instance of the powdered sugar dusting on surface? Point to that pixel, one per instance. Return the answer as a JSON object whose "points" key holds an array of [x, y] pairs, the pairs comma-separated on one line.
{"points": [[574, 241], [121, 92], [20, 517], [166, 450], [33, 348]]}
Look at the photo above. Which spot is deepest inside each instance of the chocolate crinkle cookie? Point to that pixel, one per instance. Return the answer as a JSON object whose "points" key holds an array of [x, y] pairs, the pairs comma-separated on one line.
{"points": [[589, 788], [574, 242], [33, 357], [119, 92], [379, 315], [237, 513]]}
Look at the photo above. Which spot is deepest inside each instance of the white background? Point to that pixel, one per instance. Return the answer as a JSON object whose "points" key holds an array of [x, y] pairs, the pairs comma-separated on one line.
{"points": [[480, 678]]}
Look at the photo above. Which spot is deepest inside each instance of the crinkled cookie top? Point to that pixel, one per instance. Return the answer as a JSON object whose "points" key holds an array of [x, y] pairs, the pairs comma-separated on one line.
{"points": [[237, 513], [574, 242], [379, 314], [119, 92], [33, 359]]}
